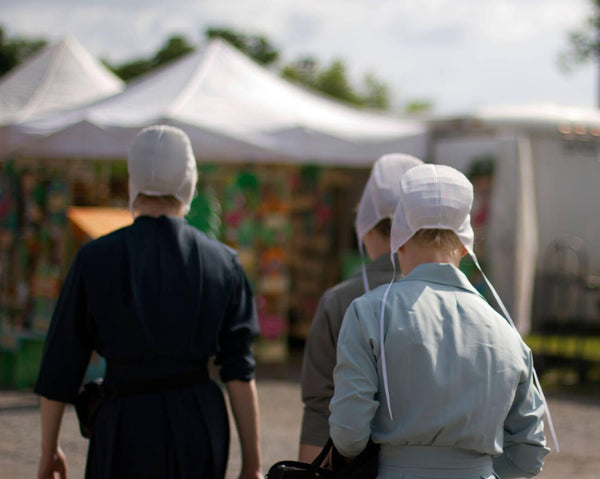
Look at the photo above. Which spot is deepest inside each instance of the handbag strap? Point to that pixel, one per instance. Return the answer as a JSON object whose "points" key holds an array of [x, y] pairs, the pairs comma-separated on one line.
{"points": [[322, 455]]}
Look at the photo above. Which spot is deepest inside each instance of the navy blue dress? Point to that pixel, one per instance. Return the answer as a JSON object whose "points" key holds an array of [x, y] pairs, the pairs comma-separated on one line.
{"points": [[156, 299]]}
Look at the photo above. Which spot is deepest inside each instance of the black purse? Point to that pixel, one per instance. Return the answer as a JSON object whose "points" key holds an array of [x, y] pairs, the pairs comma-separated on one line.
{"points": [[302, 470], [364, 466], [88, 402]]}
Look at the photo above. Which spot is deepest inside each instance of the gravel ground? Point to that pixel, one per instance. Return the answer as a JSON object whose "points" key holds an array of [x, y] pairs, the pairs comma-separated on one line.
{"points": [[576, 417]]}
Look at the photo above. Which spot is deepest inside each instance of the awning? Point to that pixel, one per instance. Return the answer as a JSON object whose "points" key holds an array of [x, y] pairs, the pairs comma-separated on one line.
{"points": [[96, 221]]}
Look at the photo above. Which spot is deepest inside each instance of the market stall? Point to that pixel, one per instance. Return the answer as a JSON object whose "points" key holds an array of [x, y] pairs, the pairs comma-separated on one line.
{"points": [[39, 234], [280, 170]]}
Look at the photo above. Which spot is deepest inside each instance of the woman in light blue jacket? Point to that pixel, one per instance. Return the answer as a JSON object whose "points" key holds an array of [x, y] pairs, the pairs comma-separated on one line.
{"points": [[425, 367]]}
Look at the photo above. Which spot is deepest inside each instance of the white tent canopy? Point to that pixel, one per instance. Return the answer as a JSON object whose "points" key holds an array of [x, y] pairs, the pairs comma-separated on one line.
{"points": [[233, 109], [63, 75], [541, 115]]}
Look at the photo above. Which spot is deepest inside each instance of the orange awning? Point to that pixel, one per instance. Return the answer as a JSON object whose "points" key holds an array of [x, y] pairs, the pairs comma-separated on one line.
{"points": [[96, 221]]}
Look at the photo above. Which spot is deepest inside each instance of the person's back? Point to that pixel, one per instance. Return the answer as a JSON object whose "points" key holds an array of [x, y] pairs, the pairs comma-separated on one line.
{"points": [[157, 299], [167, 283], [457, 364], [320, 350], [373, 221], [426, 368]]}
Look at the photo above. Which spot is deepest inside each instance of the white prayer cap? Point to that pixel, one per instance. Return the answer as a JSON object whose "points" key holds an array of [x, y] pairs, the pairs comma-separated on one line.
{"points": [[381, 193], [161, 162], [433, 196]]}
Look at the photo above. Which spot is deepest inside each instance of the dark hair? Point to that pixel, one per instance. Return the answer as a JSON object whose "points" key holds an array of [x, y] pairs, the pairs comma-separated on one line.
{"points": [[384, 227]]}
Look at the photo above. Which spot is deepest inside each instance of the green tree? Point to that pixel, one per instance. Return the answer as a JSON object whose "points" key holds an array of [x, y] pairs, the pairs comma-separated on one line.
{"points": [[418, 106], [302, 71], [376, 93], [14, 51], [130, 70], [333, 81], [174, 47], [583, 44], [256, 47]]}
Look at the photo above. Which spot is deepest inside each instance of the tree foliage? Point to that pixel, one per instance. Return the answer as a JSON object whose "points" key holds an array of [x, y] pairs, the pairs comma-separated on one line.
{"points": [[14, 51], [302, 71], [256, 47], [376, 94], [175, 47], [332, 80], [418, 106], [583, 43]]}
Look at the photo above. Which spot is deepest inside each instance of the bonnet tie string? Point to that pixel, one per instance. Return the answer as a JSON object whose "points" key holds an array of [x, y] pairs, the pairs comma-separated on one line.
{"points": [[511, 322], [363, 266], [386, 387]]}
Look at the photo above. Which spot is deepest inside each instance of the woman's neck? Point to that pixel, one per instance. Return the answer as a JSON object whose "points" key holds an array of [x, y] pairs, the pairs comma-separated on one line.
{"points": [[411, 255], [156, 212]]}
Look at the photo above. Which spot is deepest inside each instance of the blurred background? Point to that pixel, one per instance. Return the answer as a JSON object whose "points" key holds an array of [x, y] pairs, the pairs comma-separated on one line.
{"points": [[287, 106]]}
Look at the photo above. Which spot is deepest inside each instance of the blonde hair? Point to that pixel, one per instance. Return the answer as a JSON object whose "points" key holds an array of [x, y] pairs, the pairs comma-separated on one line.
{"points": [[164, 202], [441, 239]]}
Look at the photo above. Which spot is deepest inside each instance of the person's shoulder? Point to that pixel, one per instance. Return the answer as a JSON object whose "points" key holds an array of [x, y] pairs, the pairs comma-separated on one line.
{"points": [[371, 299], [203, 238], [351, 286], [335, 300], [508, 331], [378, 291], [504, 331], [106, 242], [210, 247], [398, 292]]}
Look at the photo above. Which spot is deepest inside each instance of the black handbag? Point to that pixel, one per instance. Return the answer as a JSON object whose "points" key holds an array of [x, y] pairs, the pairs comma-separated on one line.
{"points": [[302, 470], [364, 466], [88, 402]]}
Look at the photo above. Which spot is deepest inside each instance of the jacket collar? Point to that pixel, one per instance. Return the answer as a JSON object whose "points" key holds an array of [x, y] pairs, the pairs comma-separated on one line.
{"points": [[441, 273]]}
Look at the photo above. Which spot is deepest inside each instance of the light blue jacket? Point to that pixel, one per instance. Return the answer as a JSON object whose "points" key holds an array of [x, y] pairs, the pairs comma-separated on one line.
{"points": [[460, 380]]}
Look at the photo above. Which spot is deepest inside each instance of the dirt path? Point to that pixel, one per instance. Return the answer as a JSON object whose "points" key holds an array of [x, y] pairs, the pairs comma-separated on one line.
{"points": [[576, 418]]}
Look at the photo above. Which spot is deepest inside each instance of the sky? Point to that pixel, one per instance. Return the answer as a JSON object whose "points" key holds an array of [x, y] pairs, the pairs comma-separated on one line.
{"points": [[459, 54]]}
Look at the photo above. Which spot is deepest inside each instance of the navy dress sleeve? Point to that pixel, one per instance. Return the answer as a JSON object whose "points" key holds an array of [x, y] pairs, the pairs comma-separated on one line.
{"points": [[240, 327], [69, 342]]}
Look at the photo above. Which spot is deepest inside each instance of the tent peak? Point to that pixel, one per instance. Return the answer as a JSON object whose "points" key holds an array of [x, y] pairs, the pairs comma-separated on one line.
{"points": [[61, 76]]}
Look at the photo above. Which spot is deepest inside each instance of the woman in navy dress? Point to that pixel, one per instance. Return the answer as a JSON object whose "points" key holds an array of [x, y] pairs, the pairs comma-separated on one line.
{"points": [[157, 299]]}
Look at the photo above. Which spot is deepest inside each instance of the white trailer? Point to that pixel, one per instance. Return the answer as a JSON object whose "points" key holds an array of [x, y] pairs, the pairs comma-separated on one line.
{"points": [[542, 234]]}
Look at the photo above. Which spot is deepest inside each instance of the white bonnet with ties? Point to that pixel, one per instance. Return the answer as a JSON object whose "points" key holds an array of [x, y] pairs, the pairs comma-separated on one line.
{"points": [[161, 163], [433, 197], [380, 195]]}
